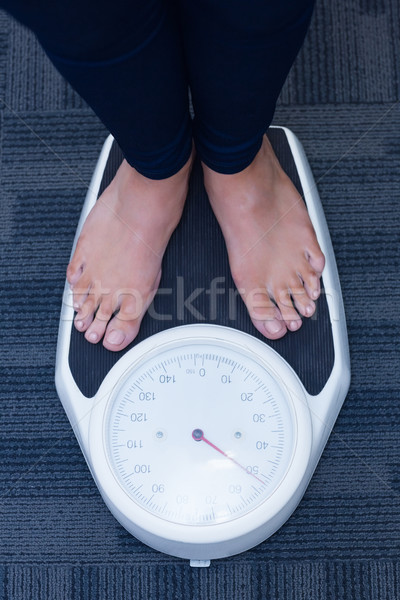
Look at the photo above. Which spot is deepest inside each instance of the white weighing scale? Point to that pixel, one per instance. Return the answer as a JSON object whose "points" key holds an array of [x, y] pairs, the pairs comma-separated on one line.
{"points": [[202, 436]]}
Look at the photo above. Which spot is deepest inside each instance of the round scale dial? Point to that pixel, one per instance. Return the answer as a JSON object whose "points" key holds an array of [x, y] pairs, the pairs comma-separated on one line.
{"points": [[200, 432]]}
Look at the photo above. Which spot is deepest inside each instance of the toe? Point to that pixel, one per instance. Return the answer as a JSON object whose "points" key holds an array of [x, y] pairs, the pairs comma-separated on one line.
{"points": [[74, 270], [316, 260], [86, 303], [301, 300], [305, 306], [264, 314], [98, 326], [85, 314], [272, 329], [285, 305], [120, 333], [81, 292], [311, 282], [124, 327]]}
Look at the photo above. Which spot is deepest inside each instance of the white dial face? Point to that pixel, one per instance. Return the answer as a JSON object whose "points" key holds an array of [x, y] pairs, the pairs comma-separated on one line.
{"points": [[200, 433]]}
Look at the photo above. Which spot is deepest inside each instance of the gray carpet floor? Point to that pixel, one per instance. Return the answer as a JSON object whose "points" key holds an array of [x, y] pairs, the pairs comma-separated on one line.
{"points": [[57, 538]]}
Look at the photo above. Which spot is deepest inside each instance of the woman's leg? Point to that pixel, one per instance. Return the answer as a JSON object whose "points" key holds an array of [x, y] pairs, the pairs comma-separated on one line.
{"points": [[238, 55], [125, 59]]}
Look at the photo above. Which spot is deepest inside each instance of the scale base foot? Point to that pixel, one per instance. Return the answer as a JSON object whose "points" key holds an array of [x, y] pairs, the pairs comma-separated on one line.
{"points": [[200, 563]]}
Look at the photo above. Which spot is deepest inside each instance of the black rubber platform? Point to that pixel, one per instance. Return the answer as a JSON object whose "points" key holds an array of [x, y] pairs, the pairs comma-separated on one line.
{"points": [[195, 257]]}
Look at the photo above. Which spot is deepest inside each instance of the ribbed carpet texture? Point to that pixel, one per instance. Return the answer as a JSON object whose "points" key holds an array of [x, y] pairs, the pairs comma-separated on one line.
{"points": [[58, 541]]}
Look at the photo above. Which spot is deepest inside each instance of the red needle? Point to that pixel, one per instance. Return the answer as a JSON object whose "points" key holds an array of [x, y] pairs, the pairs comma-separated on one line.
{"points": [[198, 436]]}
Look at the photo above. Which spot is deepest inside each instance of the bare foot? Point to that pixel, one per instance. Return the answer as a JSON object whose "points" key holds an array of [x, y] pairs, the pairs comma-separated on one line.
{"points": [[117, 261], [272, 247]]}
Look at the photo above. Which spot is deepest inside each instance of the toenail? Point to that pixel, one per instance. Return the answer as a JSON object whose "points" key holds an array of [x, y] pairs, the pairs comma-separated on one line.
{"points": [[79, 324], [76, 305], [93, 337], [309, 310], [315, 294], [273, 326], [116, 337], [294, 325]]}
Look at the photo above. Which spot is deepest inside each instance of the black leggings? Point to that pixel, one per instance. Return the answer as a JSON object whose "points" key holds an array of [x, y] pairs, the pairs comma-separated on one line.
{"points": [[134, 60]]}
